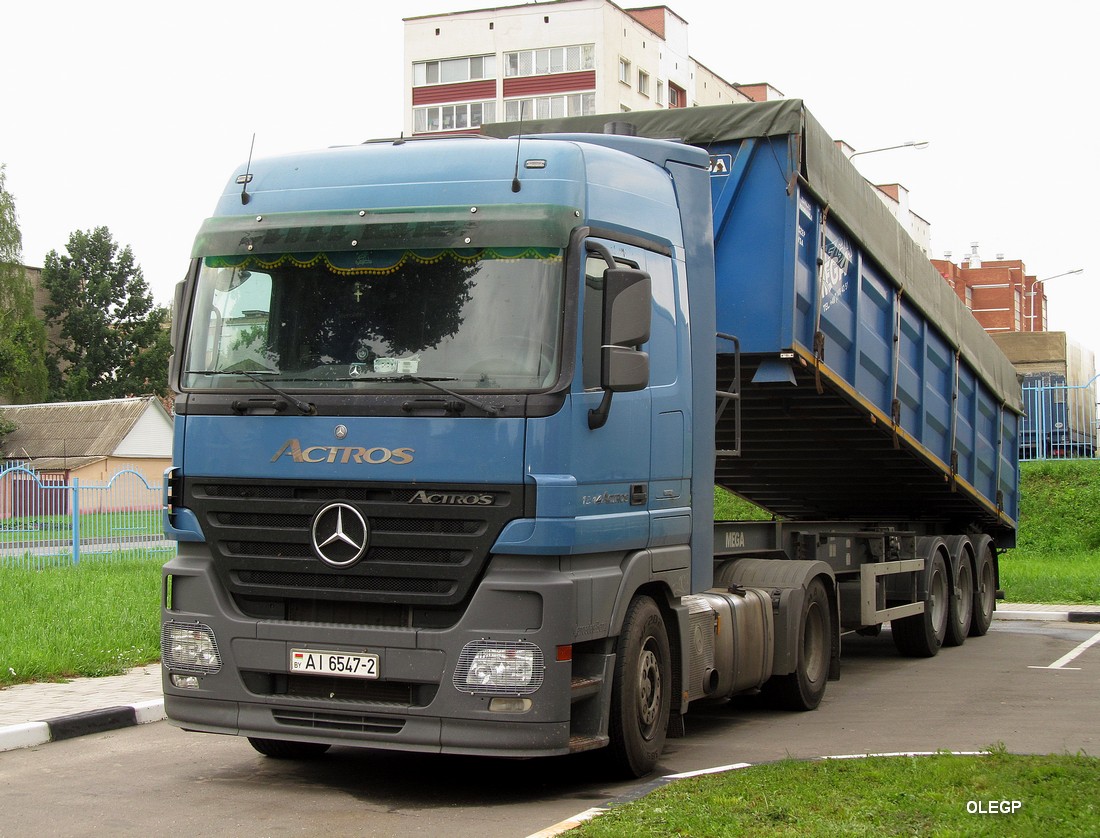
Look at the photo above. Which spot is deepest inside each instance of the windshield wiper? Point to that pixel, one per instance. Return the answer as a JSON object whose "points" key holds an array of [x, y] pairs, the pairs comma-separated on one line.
{"points": [[491, 409], [304, 408]]}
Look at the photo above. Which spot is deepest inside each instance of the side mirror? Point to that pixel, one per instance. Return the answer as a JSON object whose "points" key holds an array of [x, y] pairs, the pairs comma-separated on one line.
{"points": [[627, 316], [176, 313], [627, 306]]}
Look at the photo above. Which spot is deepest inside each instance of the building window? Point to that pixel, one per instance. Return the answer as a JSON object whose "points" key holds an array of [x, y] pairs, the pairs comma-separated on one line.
{"points": [[624, 71], [550, 107], [643, 82], [543, 62], [660, 99], [1017, 307], [677, 96], [451, 70], [458, 116]]}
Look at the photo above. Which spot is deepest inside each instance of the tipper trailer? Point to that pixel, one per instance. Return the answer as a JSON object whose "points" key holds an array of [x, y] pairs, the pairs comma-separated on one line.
{"points": [[451, 413]]}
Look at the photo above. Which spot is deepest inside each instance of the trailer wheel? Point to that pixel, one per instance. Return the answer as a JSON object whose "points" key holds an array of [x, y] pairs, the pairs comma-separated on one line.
{"points": [[961, 611], [921, 635], [285, 749], [985, 592], [804, 688], [641, 692]]}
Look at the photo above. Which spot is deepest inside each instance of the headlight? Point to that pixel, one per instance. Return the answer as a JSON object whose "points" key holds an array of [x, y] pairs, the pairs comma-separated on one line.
{"points": [[499, 668], [189, 648]]}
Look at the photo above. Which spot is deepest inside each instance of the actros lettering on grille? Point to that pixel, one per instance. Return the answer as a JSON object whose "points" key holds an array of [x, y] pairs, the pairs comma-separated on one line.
{"points": [[343, 454], [443, 498]]}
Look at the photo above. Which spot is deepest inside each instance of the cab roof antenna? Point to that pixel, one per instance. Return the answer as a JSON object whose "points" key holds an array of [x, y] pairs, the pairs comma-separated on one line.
{"points": [[246, 178]]}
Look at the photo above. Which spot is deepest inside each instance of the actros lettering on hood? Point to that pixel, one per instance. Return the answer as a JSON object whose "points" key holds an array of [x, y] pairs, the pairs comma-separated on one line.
{"points": [[344, 454]]}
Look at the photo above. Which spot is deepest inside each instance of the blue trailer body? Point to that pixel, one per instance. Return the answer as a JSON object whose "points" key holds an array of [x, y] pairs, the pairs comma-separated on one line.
{"points": [[793, 280], [447, 439]]}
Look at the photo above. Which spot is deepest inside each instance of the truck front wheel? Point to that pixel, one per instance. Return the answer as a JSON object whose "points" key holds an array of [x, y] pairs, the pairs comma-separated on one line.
{"points": [[641, 692]]}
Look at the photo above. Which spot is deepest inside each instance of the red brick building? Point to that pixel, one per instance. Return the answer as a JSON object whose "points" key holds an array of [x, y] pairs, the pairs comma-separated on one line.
{"points": [[1000, 293]]}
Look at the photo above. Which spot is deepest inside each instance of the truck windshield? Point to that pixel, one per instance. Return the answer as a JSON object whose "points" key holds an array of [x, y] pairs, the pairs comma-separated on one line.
{"points": [[478, 319]]}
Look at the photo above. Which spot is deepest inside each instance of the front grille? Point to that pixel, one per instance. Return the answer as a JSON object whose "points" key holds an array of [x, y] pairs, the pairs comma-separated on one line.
{"points": [[398, 693], [344, 722], [419, 554], [394, 555], [331, 582]]}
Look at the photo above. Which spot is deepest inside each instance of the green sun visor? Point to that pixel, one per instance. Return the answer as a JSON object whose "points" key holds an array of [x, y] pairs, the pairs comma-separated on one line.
{"points": [[403, 228]]}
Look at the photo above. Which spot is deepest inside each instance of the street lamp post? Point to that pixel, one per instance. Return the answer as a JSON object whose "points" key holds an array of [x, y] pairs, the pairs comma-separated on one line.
{"points": [[1035, 290], [918, 144]]}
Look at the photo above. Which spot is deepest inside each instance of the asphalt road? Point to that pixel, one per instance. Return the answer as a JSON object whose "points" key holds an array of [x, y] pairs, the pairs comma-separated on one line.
{"points": [[156, 780]]}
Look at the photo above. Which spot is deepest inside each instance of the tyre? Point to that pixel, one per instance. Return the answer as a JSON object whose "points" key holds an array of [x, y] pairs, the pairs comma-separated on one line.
{"points": [[985, 592], [961, 609], [284, 749], [922, 635], [641, 693], [804, 688]]}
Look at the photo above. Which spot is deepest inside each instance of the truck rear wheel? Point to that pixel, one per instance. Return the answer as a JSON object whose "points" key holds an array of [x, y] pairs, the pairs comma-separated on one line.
{"points": [[285, 749], [961, 610], [804, 688], [641, 692], [921, 635], [985, 592]]}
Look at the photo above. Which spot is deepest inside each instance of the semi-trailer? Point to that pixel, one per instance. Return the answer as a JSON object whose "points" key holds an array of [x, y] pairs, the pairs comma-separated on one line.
{"points": [[451, 413]]}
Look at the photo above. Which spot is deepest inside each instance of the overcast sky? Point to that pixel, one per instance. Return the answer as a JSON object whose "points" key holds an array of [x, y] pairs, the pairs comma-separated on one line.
{"points": [[132, 115]]}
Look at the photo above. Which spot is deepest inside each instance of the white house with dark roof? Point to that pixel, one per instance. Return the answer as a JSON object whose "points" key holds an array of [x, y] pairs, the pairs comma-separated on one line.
{"points": [[90, 441]]}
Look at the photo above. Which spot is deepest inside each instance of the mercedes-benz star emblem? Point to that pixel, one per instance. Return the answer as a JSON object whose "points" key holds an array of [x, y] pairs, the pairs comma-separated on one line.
{"points": [[340, 535]]}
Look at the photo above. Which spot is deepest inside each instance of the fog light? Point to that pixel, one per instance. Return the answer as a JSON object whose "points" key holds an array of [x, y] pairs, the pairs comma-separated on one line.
{"points": [[499, 668], [510, 705], [189, 648], [185, 682]]}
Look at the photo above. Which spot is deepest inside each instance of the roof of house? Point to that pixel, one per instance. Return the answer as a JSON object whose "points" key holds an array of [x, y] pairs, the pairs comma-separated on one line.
{"points": [[72, 430]]}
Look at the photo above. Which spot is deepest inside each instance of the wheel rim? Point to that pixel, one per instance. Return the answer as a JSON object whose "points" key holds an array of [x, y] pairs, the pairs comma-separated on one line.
{"points": [[649, 689], [813, 644], [937, 595], [964, 593], [985, 589]]}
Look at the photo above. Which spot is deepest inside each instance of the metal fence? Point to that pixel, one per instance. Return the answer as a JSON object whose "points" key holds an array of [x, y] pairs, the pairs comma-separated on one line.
{"points": [[1060, 419], [46, 522]]}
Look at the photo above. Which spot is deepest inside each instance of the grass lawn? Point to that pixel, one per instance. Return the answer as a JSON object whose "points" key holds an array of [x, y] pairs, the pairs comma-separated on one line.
{"points": [[97, 618], [878, 796]]}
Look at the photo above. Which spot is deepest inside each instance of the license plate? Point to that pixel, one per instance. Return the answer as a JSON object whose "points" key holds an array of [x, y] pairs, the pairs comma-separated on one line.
{"points": [[342, 664]]}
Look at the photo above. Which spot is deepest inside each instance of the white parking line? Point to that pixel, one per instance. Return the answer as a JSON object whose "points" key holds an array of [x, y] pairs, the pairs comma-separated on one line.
{"points": [[1070, 656], [718, 770]]}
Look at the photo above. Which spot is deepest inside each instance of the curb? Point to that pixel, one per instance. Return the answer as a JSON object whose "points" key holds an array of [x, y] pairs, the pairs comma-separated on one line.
{"points": [[1050, 616], [32, 734]]}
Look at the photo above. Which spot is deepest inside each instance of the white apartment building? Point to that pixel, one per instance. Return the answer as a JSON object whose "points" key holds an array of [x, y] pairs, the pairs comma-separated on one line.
{"points": [[553, 59]]}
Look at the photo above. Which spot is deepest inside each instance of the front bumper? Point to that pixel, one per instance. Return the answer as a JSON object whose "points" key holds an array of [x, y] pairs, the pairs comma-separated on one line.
{"points": [[414, 704]]}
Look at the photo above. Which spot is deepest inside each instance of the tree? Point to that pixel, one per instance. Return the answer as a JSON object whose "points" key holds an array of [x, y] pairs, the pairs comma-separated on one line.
{"points": [[22, 335], [113, 341]]}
